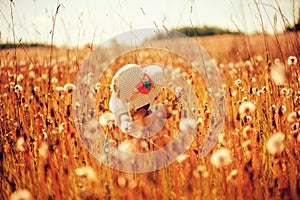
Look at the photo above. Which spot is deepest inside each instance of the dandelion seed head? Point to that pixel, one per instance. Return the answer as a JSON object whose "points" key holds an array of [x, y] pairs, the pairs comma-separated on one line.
{"points": [[295, 128], [196, 173], [292, 60], [132, 184], [128, 145], [23, 194], [54, 80], [187, 125], [253, 79], [277, 61], [106, 118], [246, 108], [247, 131], [36, 89], [247, 145], [259, 58], [44, 76], [232, 176], [87, 172], [69, 87], [221, 157], [21, 144], [18, 88], [43, 150], [278, 74], [144, 145], [221, 139], [77, 104], [238, 82], [285, 92], [248, 63], [282, 109], [61, 127], [20, 77], [275, 143], [244, 99], [32, 74], [205, 174], [292, 117], [121, 181]]}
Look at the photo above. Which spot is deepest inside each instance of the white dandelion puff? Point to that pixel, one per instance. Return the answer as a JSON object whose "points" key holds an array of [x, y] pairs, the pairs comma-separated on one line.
{"points": [[275, 143], [292, 117], [44, 76], [18, 88], [221, 157], [106, 118], [121, 181], [31, 74], [43, 150], [69, 87], [259, 58], [278, 74], [87, 172], [21, 144], [285, 92], [23, 194], [292, 60], [246, 108], [54, 80], [128, 145], [247, 131], [237, 82], [232, 176], [20, 77], [187, 125]]}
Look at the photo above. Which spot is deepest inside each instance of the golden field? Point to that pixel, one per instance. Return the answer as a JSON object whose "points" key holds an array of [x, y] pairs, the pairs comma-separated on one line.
{"points": [[256, 156]]}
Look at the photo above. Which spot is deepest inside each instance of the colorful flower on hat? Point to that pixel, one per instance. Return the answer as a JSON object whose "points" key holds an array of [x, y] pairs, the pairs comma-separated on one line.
{"points": [[144, 86]]}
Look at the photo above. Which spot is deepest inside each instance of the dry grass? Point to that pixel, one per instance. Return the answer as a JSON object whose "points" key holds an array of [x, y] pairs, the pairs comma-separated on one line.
{"points": [[42, 153]]}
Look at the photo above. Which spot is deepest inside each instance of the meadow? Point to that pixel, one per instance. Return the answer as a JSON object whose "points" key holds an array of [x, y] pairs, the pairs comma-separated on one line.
{"points": [[256, 157]]}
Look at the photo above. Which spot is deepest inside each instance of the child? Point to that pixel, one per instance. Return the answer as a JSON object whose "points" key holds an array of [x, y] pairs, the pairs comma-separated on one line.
{"points": [[134, 90]]}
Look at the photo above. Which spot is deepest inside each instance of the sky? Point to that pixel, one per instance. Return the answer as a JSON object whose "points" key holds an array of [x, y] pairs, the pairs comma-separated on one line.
{"points": [[94, 21]]}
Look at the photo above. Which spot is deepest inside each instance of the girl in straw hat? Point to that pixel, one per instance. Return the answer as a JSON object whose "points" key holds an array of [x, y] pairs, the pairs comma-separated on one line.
{"points": [[134, 90]]}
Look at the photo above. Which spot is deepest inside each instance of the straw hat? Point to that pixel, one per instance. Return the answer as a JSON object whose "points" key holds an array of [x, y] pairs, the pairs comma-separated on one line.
{"points": [[134, 87]]}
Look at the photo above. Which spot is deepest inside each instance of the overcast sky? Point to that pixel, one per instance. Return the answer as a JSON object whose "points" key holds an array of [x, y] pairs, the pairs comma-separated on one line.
{"points": [[78, 21]]}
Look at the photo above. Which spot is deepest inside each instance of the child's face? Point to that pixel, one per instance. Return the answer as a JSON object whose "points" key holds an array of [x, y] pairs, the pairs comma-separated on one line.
{"points": [[140, 112]]}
